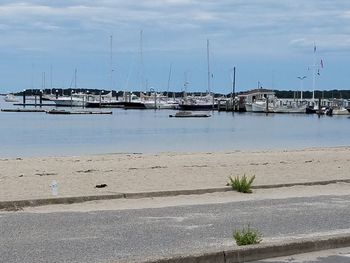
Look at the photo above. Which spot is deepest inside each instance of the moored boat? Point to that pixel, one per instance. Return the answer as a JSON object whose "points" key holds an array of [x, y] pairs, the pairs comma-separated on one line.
{"points": [[198, 103], [290, 107], [260, 106], [340, 111], [10, 98]]}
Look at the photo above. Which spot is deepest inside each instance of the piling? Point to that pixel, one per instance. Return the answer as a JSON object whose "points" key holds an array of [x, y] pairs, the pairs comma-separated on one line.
{"points": [[155, 100], [100, 99], [24, 98], [319, 107], [41, 99], [267, 104]]}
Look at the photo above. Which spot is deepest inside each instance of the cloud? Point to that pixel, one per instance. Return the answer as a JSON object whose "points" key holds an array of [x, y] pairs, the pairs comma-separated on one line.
{"points": [[234, 26], [77, 31]]}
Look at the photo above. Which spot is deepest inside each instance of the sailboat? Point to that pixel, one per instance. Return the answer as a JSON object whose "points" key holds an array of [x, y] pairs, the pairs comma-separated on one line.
{"points": [[314, 108], [74, 100], [206, 102]]}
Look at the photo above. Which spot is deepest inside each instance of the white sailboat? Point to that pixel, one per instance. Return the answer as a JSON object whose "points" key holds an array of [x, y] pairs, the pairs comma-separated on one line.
{"points": [[74, 100], [206, 102]]}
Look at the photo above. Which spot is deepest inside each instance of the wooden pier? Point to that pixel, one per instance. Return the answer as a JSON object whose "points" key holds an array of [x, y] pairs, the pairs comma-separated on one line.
{"points": [[54, 111], [188, 114], [22, 110]]}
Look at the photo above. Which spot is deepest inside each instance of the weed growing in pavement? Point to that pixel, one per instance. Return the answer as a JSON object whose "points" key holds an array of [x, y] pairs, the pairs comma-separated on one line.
{"points": [[247, 236]]}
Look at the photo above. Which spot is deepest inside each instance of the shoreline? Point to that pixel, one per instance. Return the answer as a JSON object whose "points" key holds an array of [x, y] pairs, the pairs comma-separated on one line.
{"points": [[263, 149], [30, 178]]}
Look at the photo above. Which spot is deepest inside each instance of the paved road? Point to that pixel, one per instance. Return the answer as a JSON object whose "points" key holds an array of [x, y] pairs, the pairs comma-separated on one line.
{"points": [[104, 236]]}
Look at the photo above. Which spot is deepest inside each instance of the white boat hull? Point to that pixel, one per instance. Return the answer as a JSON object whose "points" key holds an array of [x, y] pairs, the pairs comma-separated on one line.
{"points": [[290, 109], [248, 107], [10, 98], [261, 107], [340, 112], [63, 102], [160, 105]]}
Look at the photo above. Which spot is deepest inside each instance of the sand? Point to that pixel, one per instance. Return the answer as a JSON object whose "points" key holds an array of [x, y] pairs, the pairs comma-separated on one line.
{"points": [[30, 178]]}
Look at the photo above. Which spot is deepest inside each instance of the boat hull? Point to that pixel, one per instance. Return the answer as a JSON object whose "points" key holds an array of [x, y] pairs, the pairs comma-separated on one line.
{"points": [[195, 107], [340, 112], [69, 103], [134, 105], [261, 107], [290, 110], [104, 104], [10, 98], [248, 107]]}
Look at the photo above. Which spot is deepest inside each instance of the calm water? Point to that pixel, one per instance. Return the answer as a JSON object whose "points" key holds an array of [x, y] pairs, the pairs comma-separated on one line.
{"points": [[40, 134]]}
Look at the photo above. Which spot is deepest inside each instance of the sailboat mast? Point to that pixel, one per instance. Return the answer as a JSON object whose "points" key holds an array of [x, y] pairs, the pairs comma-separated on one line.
{"points": [[51, 76], [111, 62], [141, 62], [75, 79], [314, 74], [167, 93], [32, 77], [234, 82], [208, 62]]}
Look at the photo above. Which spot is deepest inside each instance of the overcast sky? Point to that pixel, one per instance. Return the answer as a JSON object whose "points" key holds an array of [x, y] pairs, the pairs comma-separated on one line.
{"points": [[269, 41]]}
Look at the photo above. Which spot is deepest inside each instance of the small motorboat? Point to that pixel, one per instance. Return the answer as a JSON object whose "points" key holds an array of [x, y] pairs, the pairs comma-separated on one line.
{"points": [[10, 98]]}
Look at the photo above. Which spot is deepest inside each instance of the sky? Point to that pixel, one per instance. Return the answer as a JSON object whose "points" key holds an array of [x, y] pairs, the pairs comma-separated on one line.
{"points": [[270, 42]]}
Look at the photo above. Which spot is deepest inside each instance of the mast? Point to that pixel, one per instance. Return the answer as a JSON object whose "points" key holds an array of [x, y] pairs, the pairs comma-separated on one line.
{"points": [[314, 74], [301, 86], [141, 62], [208, 62], [111, 62], [234, 82], [43, 80], [32, 78], [51, 76], [75, 78], [167, 93]]}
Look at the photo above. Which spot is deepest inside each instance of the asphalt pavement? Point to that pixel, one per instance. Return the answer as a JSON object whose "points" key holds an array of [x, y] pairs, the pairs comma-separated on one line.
{"points": [[134, 235]]}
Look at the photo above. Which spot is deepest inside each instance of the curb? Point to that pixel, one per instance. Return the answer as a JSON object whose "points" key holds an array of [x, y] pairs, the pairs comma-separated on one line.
{"points": [[18, 204], [262, 251], [302, 184]]}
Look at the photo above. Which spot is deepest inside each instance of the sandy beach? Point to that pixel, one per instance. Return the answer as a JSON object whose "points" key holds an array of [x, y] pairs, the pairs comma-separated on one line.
{"points": [[30, 178]]}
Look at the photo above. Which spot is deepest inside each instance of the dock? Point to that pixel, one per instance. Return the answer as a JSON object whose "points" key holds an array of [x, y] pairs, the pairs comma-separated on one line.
{"points": [[188, 114], [36, 104], [22, 110], [54, 111]]}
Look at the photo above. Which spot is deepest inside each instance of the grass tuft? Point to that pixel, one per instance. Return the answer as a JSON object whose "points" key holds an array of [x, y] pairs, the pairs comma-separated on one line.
{"points": [[247, 236], [243, 184]]}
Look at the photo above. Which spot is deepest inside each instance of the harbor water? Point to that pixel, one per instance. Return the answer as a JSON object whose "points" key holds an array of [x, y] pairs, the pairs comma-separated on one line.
{"points": [[151, 131]]}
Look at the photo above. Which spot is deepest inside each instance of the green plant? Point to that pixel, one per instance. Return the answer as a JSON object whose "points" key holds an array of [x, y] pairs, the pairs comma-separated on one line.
{"points": [[247, 236], [243, 184]]}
